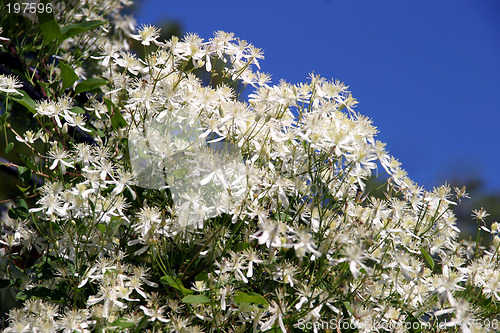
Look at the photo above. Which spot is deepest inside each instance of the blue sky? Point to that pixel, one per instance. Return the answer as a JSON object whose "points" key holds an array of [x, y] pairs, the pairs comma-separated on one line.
{"points": [[427, 72]]}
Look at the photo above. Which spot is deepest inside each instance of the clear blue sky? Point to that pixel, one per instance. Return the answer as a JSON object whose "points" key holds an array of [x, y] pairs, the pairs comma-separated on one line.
{"points": [[427, 72]]}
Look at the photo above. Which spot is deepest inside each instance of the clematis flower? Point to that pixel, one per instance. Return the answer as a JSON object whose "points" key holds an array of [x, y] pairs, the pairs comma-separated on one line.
{"points": [[9, 84], [147, 34]]}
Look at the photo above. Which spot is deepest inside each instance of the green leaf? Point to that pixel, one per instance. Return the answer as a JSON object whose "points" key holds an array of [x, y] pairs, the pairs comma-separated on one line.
{"points": [[22, 203], [101, 227], [76, 109], [123, 323], [283, 217], [25, 101], [117, 121], [195, 299], [27, 161], [50, 31], [46, 270], [41, 293], [348, 307], [89, 85], [24, 174], [100, 133], [92, 205], [18, 213], [23, 189], [68, 75], [180, 173], [74, 29], [251, 298], [175, 283], [143, 154], [202, 276], [427, 257], [242, 246], [143, 323], [44, 16], [110, 105], [9, 148]]}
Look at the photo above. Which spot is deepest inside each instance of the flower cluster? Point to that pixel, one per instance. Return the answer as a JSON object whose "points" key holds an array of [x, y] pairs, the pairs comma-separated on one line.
{"points": [[170, 203]]}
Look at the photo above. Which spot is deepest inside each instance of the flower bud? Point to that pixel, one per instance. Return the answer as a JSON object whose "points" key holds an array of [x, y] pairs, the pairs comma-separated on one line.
{"points": [[496, 241]]}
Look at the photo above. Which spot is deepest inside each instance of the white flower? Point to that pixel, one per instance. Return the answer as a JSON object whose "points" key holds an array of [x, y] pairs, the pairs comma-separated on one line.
{"points": [[108, 51], [29, 137], [305, 244], [128, 61], [147, 34], [155, 313], [236, 265], [268, 233], [59, 156], [149, 219], [355, 256], [51, 204], [252, 257], [9, 84], [125, 180], [276, 310], [56, 110], [18, 327], [285, 273], [78, 121], [75, 321], [480, 214], [109, 294]]}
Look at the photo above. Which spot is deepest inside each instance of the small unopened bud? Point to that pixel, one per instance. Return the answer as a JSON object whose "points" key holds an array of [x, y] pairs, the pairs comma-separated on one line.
{"points": [[494, 227], [45, 137], [64, 129], [496, 241]]}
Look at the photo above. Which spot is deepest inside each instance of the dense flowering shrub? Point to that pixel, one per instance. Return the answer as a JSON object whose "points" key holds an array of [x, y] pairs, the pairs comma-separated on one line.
{"points": [[157, 196]]}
